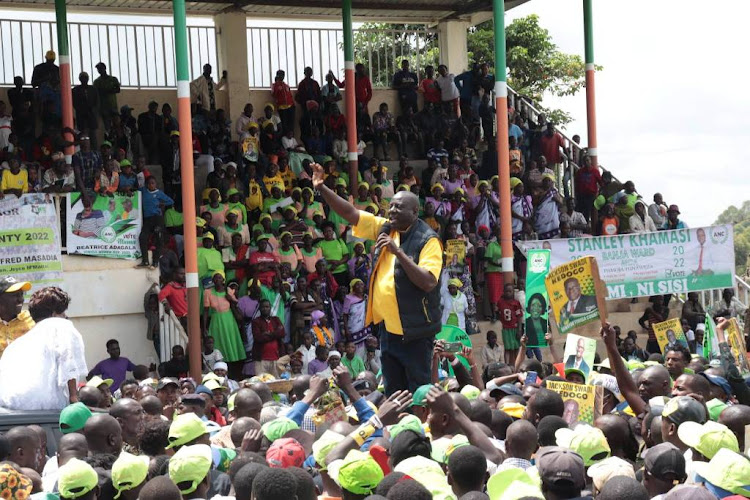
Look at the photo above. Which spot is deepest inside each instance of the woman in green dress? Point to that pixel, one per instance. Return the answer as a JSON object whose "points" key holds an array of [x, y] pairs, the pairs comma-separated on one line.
{"points": [[220, 307]]}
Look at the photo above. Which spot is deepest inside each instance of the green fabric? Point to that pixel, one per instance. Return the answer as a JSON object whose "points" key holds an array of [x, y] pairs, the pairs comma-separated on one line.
{"points": [[107, 87], [223, 328], [345, 176], [355, 366], [241, 207], [452, 319], [337, 220], [268, 202], [270, 295], [334, 250], [494, 253], [509, 338], [173, 218], [209, 259]]}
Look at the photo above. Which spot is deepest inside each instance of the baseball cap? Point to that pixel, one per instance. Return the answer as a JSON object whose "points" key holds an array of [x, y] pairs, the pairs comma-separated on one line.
{"points": [[603, 471], [715, 407], [408, 423], [357, 473], [96, 381], [73, 417], [165, 382], [213, 384], [689, 492], [13, 484], [324, 444], [420, 395], [708, 438], [718, 381], [10, 284], [513, 483], [284, 453], [106, 143], [185, 428], [589, 442], [557, 466], [76, 478], [684, 409], [190, 464], [125, 108], [728, 471], [428, 473], [471, 392], [608, 382], [277, 427], [129, 471], [665, 461], [193, 399], [508, 389]]}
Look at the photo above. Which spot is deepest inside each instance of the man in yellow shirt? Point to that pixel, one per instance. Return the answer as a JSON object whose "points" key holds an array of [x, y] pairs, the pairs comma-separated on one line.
{"points": [[404, 298], [14, 322], [15, 180]]}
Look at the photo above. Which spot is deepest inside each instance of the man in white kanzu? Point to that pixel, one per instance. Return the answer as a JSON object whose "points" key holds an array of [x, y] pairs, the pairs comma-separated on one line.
{"points": [[40, 370]]}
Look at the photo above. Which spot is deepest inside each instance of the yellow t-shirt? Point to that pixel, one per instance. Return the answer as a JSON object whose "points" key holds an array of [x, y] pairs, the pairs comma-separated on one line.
{"points": [[18, 181], [255, 197], [383, 305]]}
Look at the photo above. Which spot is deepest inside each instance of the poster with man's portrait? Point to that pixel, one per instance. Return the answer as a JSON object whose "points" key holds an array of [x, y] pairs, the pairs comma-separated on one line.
{"points": [[572, 293], [669, 332], [579, 354]]}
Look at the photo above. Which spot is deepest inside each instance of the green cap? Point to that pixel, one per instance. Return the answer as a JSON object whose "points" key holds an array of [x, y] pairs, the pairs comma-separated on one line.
{"points": [[420, 395], [470, 392], [340, 182], [76, 478], [443, 447], [709, 438], [715, 407], [232, 191], [275, 429], [587, 441], [185, 428], [223, 458], [128, 472], [74, 417], [126, 163], [728, 470], [191, 464], [599, 202], [408, 423], [513, 483], [324, 445], [359, 473], [107, 143]]}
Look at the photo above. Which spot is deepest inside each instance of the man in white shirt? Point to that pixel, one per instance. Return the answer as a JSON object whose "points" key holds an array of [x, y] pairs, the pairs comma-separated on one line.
{"points": [[658, 211], [307, 349], [241, 125]]}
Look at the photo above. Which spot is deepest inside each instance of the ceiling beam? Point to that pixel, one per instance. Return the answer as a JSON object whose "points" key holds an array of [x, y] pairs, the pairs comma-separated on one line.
{"points": [[334, 4]]}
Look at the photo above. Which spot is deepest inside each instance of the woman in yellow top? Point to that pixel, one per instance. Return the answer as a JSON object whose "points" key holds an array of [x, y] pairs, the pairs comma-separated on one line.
{"points": [[273, 178]]}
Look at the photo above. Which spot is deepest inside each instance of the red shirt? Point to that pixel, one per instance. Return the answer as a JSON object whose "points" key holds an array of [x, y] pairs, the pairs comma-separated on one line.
{"points": [[282, 94], [265, 277], [362, 88], [176, 296], [550, 146], [335, 123], [587, 181], [510, 311], [267, 333], [431, 94]]}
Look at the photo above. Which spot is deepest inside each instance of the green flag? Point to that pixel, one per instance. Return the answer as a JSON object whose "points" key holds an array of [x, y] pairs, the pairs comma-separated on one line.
{"points": [[710, 341]]}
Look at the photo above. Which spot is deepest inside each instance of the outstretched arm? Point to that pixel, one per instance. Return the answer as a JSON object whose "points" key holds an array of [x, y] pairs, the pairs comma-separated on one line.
{"points": [[625, 382], [334, 201]]}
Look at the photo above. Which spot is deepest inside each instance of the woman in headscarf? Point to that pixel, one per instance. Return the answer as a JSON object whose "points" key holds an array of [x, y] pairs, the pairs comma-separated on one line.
{"points": [[547, 220], [458, 268], [455, 305], [522, 210], [355, 305], [486, 206], [322, 335]]}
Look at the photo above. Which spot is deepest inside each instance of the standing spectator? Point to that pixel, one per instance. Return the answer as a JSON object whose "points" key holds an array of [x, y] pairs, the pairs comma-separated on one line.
{"points": [[19, 96], [427, 86], [210, 354], [46, 78], [454, 304], [465, 82], [658, 211], [282, 94], [330, 93], [336, 254], [307, 89], [203, 89], [652, 315], [587, 182], [641, 222], [510, 311], [351, 360], [552, 144], [354, 314], [220, 306], [405, 82], [115, 368], [86, 104], [108, 87], [522, 212], [693, 312], [547, 220], [174, 296], [5, 126], [242, 124], [154, 202], [268, 333], [149, 126], [448, 91]]}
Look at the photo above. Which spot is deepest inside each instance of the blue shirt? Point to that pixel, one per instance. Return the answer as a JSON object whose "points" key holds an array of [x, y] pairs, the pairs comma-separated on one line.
{"points": [[465, 84], [151, 201], [513, 131]]}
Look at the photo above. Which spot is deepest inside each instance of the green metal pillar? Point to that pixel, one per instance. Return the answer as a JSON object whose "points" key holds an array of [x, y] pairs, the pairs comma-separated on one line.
{"points": [[588, 29]]}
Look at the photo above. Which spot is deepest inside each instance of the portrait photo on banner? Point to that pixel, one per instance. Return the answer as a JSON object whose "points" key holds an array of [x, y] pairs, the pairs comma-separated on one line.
{"points": [[579, 354], [670, 332], [572, 289]]}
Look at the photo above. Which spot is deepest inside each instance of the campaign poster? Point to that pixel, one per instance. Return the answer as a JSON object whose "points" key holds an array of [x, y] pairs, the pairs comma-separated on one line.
{"points": [[108, 228], [583, 403], [579, 354], [572, 293], [536, 323], [736, 341], [455, 252], [669, 332], [656, 263], [30, 248]]}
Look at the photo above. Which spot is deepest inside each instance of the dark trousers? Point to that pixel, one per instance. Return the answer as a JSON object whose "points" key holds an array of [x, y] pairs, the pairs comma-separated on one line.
{"points": [[585, 203], [287, 118], [153, 225], [406, 365]]}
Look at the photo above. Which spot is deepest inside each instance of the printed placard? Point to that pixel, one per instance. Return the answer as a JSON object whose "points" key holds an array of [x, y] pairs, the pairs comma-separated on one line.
{"points": [[736, 341], [455, 252], [583, 403], [109, 228], [536, 323], [669, 332], [572, 289], [579, 354]]}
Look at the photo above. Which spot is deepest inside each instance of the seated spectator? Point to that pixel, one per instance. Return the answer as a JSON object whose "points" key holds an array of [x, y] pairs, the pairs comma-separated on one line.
{"points": [[60, 177], [15, 180], [641, 222], [575, 220]]}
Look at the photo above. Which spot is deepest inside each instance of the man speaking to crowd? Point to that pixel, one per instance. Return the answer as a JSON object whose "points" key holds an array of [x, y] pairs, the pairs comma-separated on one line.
{"points": [[404, 299]]}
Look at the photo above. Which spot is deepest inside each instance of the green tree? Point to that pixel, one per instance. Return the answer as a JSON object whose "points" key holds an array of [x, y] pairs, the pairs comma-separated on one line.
{"points": [[535, 64], [740, 217], [381, 47]]}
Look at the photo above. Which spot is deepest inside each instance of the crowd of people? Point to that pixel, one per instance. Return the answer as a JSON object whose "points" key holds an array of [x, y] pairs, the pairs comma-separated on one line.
{"points": [[292, 401]]}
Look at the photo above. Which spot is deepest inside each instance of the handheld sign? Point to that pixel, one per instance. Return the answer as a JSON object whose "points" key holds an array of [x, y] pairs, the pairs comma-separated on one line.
{"points": [[736, 341], [576, 294], [579, 354], [669, 332], [583, 403], [537, 301]]}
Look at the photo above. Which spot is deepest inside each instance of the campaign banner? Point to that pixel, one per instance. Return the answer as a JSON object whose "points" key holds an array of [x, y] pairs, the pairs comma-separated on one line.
{"points": [[669, 332], [536, 323], [30, 240], [583, 403], [736, 341], [572, 289], [659, 263], [108, 228], [579, 354]]}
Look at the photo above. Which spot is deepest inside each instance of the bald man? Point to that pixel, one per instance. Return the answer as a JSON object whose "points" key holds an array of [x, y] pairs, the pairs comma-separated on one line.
{"points": [[621, 439], [71, 445], [91, 397], [103, 434], [24, 447], [130, 415], [404, 298], [736, 417]]}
